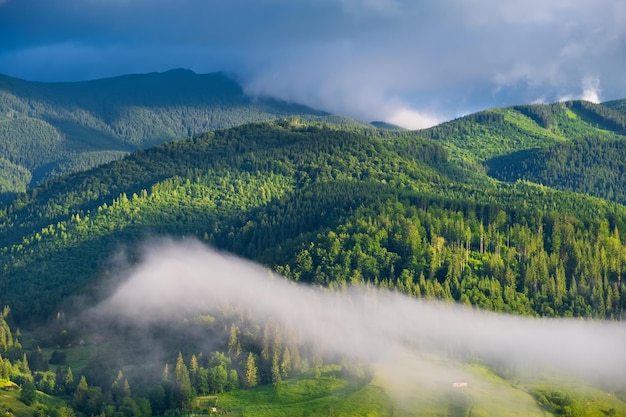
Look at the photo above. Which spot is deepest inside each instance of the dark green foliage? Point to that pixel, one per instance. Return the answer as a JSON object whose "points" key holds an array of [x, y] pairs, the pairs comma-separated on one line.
{"points": [[385, 125], [58, 358], [28, 395], [542, 114], [591, 166], [601, 116], [618, 105], [50, 129], [324, 205]]}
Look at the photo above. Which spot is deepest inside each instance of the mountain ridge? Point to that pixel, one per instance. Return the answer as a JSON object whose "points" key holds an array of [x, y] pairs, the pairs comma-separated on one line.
{"points": [[59, 122]]}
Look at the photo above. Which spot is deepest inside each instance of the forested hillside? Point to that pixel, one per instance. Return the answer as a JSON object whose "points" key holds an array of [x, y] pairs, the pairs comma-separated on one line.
{"points": [[492, 133], [50, 129], [590, 166], [324, 205]]}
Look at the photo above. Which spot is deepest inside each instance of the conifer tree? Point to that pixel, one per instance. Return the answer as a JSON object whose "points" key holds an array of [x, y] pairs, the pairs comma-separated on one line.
{"points": [[69, 378], [234, 348], [285, 364], [275, 370], [183, 383], [251, 376], [166, 373], [193, 370]]}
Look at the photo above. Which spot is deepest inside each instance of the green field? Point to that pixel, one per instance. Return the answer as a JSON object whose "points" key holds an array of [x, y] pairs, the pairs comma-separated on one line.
{"points": [[327, 395], [10, 404], [486, 395]]}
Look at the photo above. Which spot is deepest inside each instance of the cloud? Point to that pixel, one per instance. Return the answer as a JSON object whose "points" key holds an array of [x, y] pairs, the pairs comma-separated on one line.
{"points": [[385, 329], [412, 119], [591, 89], [356, 57]]}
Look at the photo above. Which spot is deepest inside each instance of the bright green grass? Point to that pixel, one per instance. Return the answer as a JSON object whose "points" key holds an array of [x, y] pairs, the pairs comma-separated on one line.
{"points": [[429, 394], [573, 398], [429, 391], [77, 356], [328, 395], [571, 115], [10, 405]]}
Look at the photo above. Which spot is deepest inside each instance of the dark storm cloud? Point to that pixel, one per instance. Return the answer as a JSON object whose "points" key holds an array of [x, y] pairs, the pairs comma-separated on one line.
{"points": [[407, 61]]}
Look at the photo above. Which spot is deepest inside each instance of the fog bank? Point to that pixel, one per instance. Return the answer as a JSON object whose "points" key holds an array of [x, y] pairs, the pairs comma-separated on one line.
{"points": [[174, 279]]}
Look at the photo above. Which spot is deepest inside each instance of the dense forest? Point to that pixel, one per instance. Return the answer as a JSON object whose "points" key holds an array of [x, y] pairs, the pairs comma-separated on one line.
{"points": [[590, 166], [324, 204], [50, 129]]}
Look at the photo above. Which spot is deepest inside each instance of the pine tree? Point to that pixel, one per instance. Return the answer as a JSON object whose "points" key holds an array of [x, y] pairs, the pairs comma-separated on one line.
{"points": [[193, 371], [24, 365], [69, 378], [233, 380], [166, 373], [275, 370], [81, 393], [251, 376], [285, 364], [234, 348], [29, 394], [183, 383]]}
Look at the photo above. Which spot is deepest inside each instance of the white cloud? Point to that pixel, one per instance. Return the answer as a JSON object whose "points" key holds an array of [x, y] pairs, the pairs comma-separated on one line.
{"points": [[412, 119], [591, 89]]}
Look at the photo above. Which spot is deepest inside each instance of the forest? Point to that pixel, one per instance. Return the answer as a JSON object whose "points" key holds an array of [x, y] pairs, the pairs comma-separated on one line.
{"points": [[516, 210], [52, 129]]}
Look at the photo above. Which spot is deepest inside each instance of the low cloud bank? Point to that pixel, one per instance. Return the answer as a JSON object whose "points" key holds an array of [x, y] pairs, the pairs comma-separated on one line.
{"points": [[385, 329]]}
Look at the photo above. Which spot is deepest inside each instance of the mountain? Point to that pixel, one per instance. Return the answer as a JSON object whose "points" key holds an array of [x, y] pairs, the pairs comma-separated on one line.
{"points": [[51, 129], [485, 135], [589, 166], [325, 205]]}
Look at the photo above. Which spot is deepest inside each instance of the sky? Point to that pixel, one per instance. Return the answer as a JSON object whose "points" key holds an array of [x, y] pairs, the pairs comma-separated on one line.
{"points": [[410, 62]]}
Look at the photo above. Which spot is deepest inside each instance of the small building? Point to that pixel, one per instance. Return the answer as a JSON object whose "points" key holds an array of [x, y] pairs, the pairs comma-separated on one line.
{"points": [[459, 384]]}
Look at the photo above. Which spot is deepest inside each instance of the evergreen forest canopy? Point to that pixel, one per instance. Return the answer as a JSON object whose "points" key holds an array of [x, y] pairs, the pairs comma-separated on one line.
{"points": [[328, 205], [323, 201], [51, 129]]}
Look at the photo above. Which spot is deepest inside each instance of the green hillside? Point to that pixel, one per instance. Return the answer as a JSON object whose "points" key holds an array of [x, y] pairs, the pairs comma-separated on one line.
{"points": [[50, 129], [327, 205], [619, 105], [492, 133], [590, 166]]}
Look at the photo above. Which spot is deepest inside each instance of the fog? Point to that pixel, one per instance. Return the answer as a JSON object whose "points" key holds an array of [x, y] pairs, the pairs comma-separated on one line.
{"points": [[404, 339]]}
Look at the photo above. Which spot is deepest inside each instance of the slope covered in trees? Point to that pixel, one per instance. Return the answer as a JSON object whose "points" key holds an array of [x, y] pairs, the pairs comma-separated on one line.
{"points": [[590, 166], [324, 205], [497, 132], [49, 129]]}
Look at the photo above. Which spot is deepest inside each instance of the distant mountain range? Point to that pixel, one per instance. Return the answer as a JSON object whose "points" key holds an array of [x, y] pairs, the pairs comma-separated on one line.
{"points": [[50, 129]]}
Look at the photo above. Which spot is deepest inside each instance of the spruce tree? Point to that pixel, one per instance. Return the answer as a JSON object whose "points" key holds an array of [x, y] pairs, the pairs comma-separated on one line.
{"points": [[183, 383], [251, 376]]}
